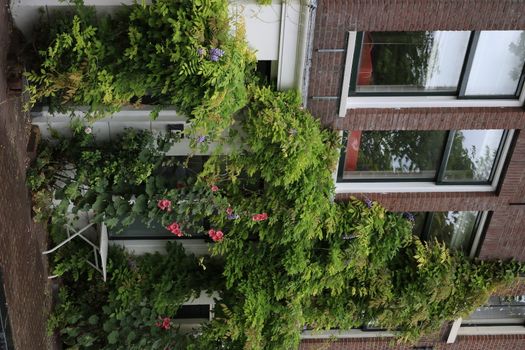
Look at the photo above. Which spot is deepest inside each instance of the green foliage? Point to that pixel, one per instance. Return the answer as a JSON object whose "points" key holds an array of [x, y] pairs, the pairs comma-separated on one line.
{"points": [[124, 312], [164, 54], [290, 257]]}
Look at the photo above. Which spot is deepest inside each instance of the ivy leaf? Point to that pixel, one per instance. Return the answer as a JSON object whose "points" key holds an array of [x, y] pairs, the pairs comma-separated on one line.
{"points": [[113, 337]]}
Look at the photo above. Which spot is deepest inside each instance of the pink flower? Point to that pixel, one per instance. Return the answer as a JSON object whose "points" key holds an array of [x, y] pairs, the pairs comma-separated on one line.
{"points": [[215, 235], [175, 229], [165, 324], [214, 188], [164, 204], [229, 210], [260, 217]]}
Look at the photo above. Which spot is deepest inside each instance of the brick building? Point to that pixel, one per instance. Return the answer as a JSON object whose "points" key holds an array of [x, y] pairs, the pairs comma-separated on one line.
{"points": [[429, 97]]}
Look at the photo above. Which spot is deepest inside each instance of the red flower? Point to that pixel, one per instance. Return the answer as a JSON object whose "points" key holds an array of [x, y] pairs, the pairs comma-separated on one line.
{"points": [[214, 188], [164, 204], [260, 217], [215, 235], [175, 229], [165, 324]]}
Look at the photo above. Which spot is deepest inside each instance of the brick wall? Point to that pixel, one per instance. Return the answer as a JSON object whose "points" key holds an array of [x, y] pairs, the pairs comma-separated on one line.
{"points": [[505, 234], [508, 342]]}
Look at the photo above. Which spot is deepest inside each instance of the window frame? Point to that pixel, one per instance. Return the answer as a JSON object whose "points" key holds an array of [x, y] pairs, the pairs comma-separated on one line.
{"points": [[420, 100], [474, 241], [441, 169]]}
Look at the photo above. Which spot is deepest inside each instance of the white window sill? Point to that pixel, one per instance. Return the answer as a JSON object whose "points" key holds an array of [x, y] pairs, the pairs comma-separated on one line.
{"points": [[404, 187], [399, 102]]}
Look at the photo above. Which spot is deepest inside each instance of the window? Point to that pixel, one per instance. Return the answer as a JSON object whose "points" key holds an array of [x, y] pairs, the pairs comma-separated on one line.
{"points": [[457, 229], [487, 64], [498, 311], [456, 157], [434, 69]]}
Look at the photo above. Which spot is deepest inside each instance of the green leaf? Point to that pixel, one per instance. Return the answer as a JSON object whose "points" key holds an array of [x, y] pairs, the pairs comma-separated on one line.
{"points": [[113, 337]]}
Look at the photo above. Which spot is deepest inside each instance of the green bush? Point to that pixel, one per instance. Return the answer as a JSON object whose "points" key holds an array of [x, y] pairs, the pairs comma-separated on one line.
{"points": [[169, 53]]}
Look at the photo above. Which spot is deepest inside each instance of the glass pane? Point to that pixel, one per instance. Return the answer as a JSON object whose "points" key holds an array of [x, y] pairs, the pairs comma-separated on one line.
{"points": [[472, 155], [498, 63], [454, 228], [407, 62], [391, 155]]}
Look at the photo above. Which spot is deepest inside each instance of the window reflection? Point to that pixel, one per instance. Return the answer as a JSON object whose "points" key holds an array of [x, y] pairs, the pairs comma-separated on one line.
{"points": [[472, 155], [394, 154], [411, 61], [498, 63], [451, 157], [454, 228]]}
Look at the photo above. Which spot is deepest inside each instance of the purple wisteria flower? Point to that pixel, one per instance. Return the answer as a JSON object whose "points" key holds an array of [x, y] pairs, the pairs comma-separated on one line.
{"points": [[409, 216], [233, 216], [200, 51], [368, 202], [201, 139], [216, 54]]}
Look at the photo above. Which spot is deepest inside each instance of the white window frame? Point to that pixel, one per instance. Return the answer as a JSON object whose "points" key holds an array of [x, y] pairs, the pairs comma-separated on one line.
{"points": [[398, 102], [411, 187]]}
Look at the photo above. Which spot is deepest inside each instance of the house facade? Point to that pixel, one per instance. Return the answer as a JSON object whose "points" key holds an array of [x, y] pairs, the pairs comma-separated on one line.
{"points": [[428, 96]]}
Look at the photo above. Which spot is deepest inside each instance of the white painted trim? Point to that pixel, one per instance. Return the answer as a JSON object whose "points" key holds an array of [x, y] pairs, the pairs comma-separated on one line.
{"points": [[352, 36], [394, 187], [454, 331], [398, 102], [352, 333], [491, 330]]}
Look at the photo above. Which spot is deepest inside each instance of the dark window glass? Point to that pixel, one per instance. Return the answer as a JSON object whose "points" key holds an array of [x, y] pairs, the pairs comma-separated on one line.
{"points": [[410, 62], [472, 155], [454, 228], [446, 157], [193, 311], [391, 155]]}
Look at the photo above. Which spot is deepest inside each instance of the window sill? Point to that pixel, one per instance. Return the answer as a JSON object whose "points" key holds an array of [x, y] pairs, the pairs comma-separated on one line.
{"points": [[398, 102], [404, 187]]}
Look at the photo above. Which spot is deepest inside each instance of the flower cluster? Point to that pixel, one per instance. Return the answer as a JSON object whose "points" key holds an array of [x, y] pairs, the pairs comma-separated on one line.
{"points": [[164, 323], [216, 54], [214, 188], [260, 217], [368, 202], [201, 139], [215, 235], [164, 204], [175, 229], [409, 216]]}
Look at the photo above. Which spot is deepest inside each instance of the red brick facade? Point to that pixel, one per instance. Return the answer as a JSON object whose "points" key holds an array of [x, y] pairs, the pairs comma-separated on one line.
{"points": [[501, 342], [505, 233]]}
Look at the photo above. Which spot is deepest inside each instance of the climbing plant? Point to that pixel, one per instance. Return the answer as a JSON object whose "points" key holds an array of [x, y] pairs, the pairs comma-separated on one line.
{"points": [[188, 54]]}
